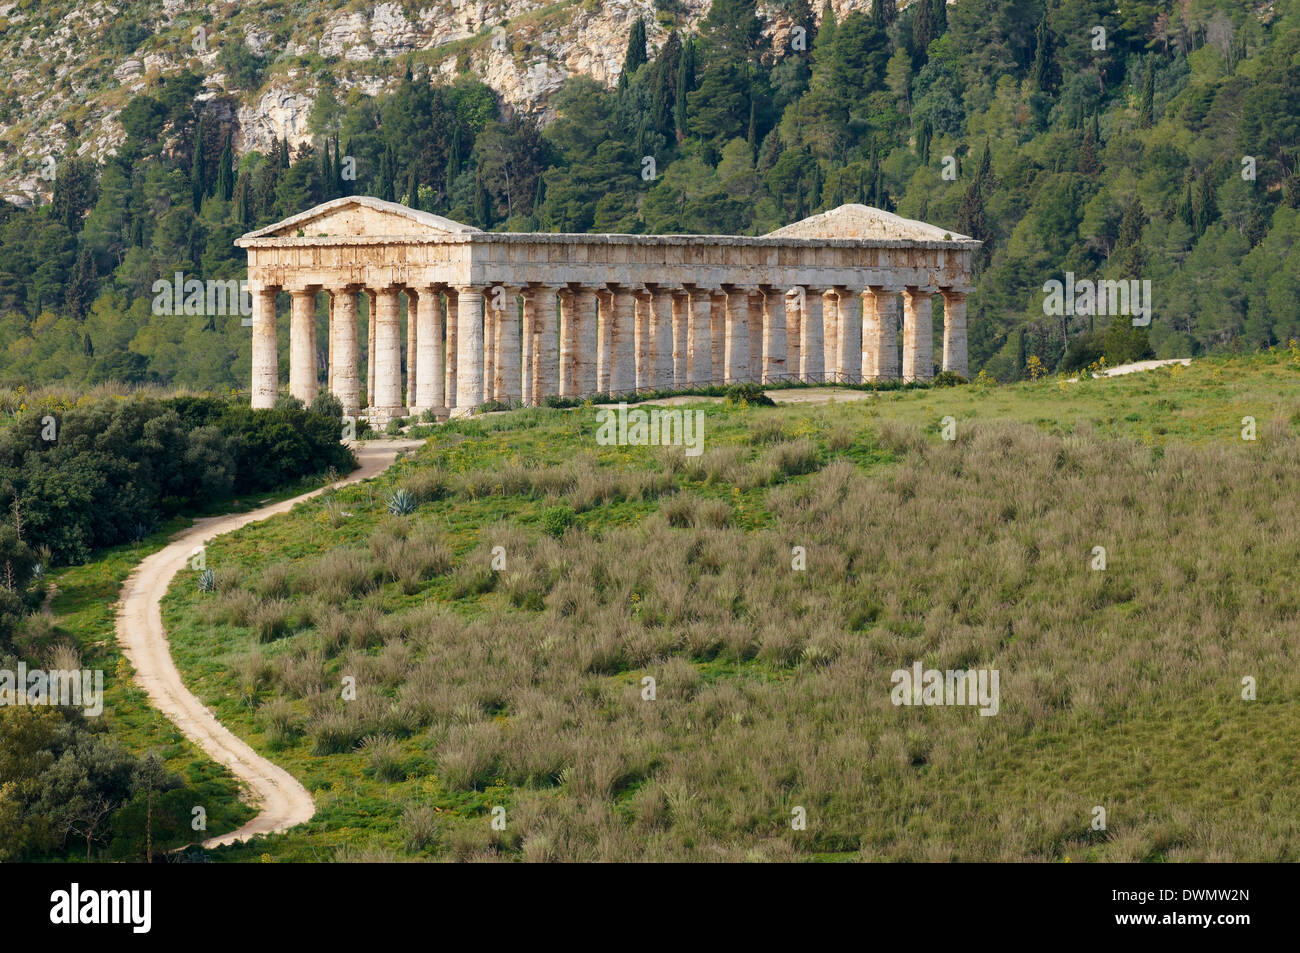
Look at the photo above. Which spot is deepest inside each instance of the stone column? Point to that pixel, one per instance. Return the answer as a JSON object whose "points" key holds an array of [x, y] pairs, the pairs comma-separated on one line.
{"points": [[528, 341], [428, 355], [918, 335], [584, 356], [330, 338], [412, 347], [812, 357], [793, 335], [830, 334], [546, 352], [604, 326], [641, 340], [954, 332], [302, 345], [880, 334], [681, 349], [568, 342], [506, 347], [773, 335], [661, 339], [622, 337], [453, 347], [736, 357], [492, 297], [718, 337], [266, 355], [700, 338], [848, 340], [388, 355], [756, 306], [343, 303], [371, 308], [469, 350]]}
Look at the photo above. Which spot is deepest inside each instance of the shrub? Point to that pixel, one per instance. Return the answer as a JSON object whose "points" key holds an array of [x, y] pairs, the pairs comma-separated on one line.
{"points": [[749, 394], [556, 519]]}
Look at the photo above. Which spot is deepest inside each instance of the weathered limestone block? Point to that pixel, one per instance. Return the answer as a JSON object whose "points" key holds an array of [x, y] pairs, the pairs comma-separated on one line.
{"points": [[266, 357], [412, 345], [429, 358], [774, 348], [388, 355], [469, 350], [371, 307], [954, 333], [344, 374], [794, 334], [681, 349], [661, 340], [718, 336], [642, 340], [811, 353], [756, 306], [918, 335], [880, 333], [848, 341], [506, 348], [453, 347], [622, 373], [546, 366], [830, 334], [302, 345], [604, 326], [736, 360], [568, 344], [700, 337], [584, 316]]}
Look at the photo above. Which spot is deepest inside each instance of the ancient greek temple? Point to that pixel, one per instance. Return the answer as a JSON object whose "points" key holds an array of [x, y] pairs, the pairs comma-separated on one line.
{"points": [[516, 318]]}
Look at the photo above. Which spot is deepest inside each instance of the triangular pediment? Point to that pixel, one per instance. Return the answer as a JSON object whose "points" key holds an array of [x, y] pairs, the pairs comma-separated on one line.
{"points": [[862, 222], [360, 216]]}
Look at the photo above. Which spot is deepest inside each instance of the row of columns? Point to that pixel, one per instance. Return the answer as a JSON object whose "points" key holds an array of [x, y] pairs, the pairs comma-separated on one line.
{"points": [[521, 344]]}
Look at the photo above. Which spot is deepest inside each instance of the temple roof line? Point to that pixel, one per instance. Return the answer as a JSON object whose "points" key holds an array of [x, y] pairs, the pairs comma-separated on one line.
{"points": [[363, 220]]}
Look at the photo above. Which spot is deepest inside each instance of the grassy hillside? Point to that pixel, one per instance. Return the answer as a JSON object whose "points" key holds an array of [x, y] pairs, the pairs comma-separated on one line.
{"points": [[522, 688]]}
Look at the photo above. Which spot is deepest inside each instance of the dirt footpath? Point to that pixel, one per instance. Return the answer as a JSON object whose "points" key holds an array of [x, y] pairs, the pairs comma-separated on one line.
{"points": [[283, 802]]}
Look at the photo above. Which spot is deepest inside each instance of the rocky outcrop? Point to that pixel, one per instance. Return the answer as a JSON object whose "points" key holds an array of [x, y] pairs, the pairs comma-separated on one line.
{"points": [[66, 59]]}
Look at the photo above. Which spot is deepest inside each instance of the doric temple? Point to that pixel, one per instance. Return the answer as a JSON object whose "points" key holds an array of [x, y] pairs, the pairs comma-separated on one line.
{"points": [[516, 317]]}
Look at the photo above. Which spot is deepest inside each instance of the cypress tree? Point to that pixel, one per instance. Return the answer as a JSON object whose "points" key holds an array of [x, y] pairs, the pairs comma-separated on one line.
{"points": [[226, 173], [1147, 111], [198, 180], [635, 57], [412, 190], [685, 83], [922, 29], [1043, 72]]}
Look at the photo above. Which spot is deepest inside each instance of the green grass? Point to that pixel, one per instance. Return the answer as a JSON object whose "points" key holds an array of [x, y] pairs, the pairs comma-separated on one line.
{"points": [[521, 689]]}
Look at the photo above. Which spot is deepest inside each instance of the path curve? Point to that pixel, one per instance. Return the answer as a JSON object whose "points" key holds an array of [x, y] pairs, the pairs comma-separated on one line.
{"points": [[283, 802]]}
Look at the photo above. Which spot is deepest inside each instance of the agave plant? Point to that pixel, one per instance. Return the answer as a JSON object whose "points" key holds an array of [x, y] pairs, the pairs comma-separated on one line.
{"points": [[401, 503], [207, 581]]}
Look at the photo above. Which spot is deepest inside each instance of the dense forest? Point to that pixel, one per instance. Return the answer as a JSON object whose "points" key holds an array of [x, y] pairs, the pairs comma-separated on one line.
{"points": [[1153, 140]]}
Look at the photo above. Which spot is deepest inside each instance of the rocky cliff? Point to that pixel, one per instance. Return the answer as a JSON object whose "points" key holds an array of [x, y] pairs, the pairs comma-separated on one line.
{"points": [[75, 65]]}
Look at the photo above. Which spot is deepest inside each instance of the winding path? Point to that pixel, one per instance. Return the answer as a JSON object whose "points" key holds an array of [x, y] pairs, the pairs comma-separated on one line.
{"points": [[283, 802]]}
